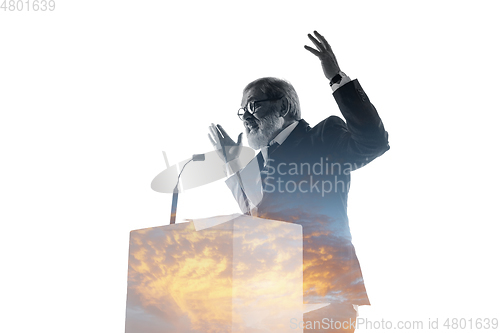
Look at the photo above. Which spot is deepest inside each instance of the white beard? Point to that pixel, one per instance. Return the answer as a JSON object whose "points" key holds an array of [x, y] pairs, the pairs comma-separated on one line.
{"points": [[268, 128]]}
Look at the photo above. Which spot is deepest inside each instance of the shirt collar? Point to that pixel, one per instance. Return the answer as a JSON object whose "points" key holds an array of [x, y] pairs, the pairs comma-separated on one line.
{"points": [[280, 138]]}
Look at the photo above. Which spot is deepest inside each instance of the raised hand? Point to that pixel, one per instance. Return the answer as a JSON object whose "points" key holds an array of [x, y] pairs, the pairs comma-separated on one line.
{"points": [[325, 54], [226, 148]]}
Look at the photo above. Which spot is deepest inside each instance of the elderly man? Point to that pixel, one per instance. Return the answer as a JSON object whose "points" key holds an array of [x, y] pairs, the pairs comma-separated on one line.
{"points": [[302, 175]]}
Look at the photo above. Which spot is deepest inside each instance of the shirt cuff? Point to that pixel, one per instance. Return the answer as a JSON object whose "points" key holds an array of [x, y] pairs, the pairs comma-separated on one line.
{"points": [[233, 166], [345, 79]]}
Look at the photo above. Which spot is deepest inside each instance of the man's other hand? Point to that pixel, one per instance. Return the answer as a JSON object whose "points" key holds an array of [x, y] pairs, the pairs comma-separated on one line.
{"points": [[226, 148], [325, 54]]}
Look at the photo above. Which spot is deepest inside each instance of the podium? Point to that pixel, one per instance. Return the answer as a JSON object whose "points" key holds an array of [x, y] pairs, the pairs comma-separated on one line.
{"points": [[234, 273]]}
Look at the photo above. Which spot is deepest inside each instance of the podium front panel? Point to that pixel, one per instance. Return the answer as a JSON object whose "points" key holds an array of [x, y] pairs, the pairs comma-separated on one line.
{"points": [[244, 275]]}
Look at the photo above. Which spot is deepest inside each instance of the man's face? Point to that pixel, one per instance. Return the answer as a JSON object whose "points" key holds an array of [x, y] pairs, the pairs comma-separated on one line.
{"points": [[265, 123]]}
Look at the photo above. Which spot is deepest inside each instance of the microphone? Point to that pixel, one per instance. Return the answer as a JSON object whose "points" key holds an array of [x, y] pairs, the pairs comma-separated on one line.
{"points": [[175, 194], [198, 157]]}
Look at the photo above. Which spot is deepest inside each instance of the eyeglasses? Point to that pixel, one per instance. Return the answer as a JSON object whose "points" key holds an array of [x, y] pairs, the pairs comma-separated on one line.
{"points": [[250, 108]]}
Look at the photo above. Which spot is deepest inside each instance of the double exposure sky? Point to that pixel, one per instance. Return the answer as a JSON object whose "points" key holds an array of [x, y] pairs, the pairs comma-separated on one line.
{"points": [[93, 92], [242, 274]]}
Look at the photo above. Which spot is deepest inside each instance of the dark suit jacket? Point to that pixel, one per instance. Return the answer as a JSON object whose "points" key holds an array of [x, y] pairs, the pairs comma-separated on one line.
{"points": [[306, 181]]}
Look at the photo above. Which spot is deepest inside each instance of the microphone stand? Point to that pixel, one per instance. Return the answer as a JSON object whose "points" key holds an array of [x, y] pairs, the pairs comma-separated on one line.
{"points": [[173, 213], [175, 193]]}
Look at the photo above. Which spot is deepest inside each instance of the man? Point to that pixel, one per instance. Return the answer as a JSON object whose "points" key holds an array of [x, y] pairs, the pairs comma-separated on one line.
{"points": [[302, 175]]}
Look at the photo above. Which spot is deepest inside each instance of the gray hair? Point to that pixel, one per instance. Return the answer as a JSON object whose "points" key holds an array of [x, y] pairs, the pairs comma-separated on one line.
{"points": [[274, 88]]}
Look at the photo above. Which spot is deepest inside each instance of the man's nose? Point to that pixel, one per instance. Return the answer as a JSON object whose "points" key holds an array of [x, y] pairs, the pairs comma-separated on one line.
{"points": [[247, 115]]}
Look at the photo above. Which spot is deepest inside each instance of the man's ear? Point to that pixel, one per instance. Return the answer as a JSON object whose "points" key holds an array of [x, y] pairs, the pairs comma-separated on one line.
{"points": [[285, 107]]}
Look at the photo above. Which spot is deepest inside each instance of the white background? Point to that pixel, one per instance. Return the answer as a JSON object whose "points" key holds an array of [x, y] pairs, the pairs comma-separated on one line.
{"points": [[91, 93]]}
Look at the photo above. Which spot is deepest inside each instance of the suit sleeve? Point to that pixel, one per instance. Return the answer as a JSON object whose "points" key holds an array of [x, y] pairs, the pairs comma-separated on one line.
{"points": [[363, 138]]}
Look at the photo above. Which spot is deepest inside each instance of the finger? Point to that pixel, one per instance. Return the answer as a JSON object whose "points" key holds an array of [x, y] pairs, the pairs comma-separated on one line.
{"points": [[313, 51], [211, 130], [239, 138], [217, 128], [316, 42], [215, 133], [212, 141], [322, 40], [228, 139], [318, 34], [222, 130]]}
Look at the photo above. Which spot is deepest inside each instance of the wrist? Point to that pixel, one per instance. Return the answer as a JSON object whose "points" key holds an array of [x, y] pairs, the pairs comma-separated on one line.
{"points": [[233, 166]]}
